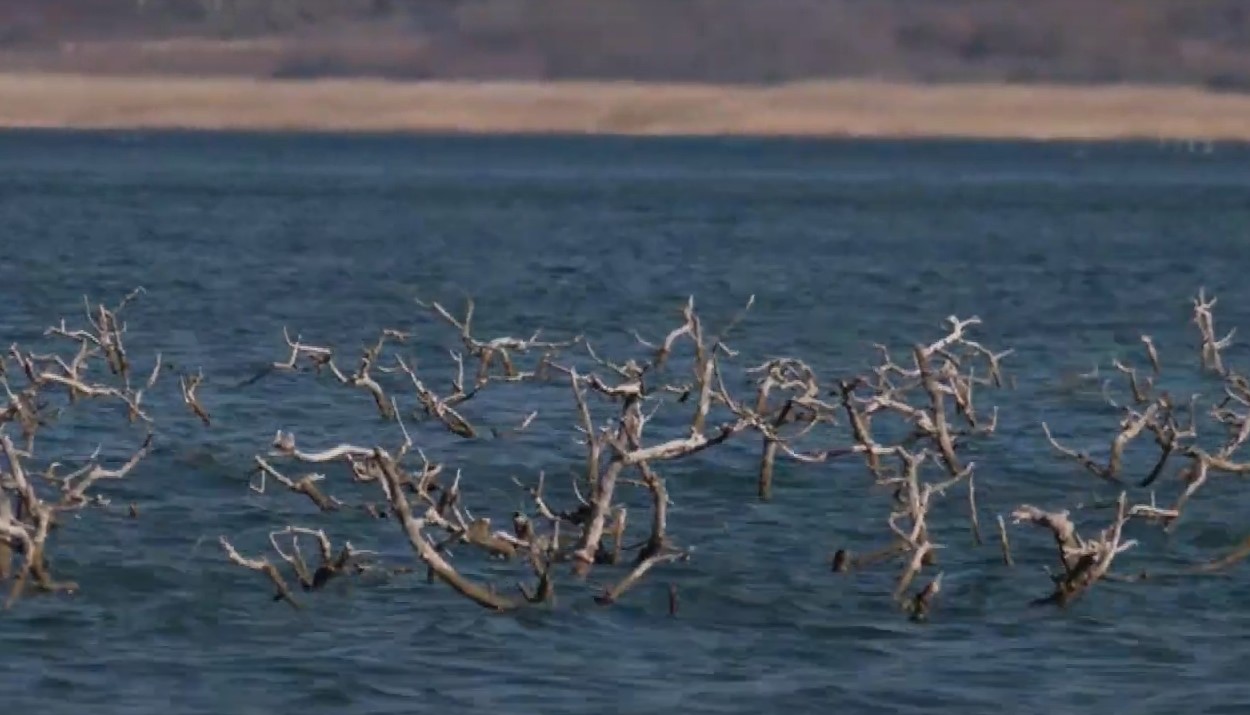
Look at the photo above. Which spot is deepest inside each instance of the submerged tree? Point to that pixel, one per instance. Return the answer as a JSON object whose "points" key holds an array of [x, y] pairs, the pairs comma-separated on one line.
{"points": [[905, 425]]}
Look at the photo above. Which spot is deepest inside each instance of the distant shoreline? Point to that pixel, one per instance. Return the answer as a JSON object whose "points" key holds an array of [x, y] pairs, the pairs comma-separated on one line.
{"points": [[816, 109]]}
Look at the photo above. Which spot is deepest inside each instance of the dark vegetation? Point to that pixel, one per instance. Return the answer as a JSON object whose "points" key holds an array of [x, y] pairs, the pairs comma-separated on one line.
{"points": [[1197, 42], [907, 427]]}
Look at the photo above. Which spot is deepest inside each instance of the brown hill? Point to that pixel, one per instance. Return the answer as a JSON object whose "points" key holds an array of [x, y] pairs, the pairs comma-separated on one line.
{"points": [[1197, 42]]}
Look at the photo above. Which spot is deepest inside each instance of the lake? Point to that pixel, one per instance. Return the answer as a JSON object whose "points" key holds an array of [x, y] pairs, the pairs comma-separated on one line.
{"points": [[1067, 252]]}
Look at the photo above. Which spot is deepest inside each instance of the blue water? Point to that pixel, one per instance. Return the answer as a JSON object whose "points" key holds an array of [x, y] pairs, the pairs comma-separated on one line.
{"points": [[1068, 252]]}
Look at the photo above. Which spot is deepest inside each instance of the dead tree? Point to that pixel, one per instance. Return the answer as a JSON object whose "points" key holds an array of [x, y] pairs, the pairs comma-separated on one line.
{"points": [[331, 563], [33, 499], [1084, 561], [910, 420]]}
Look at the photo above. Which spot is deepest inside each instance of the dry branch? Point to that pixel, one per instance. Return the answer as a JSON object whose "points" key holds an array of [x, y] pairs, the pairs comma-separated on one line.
{"points": [[1004, 542], [613, 594], [1084, 561], [75, 492], [306, 485], [496, 350], [933, 394], [1211, 346], [261, 565], [320, 357], [189, 385], [413, 527]]}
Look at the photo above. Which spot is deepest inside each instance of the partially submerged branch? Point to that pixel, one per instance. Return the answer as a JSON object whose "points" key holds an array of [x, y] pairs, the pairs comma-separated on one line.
{"points": [[916, 419], [1084, 562]]}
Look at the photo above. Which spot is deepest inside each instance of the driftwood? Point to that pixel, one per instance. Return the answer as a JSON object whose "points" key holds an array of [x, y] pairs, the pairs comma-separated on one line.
{"points": [[33, 501], [902, 425], [687, 369]]}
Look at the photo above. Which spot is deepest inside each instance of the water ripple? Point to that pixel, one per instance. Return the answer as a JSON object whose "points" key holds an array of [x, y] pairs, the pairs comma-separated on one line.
{"points": [[843, 245]]}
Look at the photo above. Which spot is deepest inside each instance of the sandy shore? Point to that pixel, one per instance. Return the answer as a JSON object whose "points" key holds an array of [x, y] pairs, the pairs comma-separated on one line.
{"points": [[843, 108]]}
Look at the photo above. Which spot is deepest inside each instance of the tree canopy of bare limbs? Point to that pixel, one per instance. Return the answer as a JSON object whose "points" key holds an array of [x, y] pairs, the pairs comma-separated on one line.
{"points": [[905, 427]]}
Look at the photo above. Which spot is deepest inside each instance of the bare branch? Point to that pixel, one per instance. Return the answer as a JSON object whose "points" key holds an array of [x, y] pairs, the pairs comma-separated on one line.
{"points": [[189, 386], [261, 565]]}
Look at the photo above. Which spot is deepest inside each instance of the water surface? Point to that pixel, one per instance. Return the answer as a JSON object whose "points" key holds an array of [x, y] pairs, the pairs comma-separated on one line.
{"points": [[1068, 252]]}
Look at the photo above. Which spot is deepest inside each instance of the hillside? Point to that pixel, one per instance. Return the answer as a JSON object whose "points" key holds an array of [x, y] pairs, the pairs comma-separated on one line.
{"points": [[1194, 42]]}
